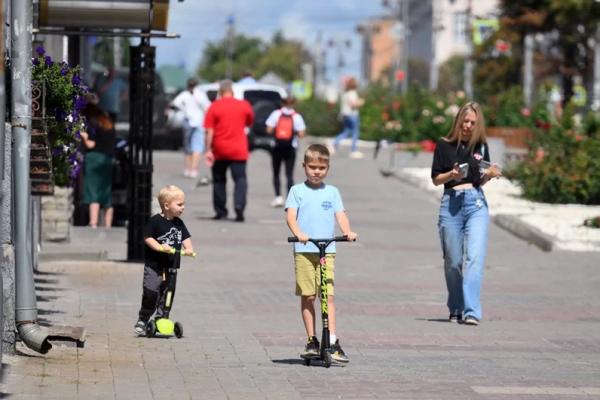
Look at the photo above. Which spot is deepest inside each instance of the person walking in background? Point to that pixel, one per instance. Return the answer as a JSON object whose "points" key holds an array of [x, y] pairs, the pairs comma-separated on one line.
{"points": [[349, 105], [111, 91], [461, 162], [99, 140], [193, 104], [227, 147], [287, 126]]}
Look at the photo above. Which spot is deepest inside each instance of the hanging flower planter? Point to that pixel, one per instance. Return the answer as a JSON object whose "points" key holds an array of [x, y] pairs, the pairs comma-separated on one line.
{"points": [[58, 96]]}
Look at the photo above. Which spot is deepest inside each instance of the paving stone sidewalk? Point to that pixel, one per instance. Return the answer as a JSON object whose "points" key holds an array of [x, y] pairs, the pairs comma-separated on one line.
{"points": [[540, 337]]}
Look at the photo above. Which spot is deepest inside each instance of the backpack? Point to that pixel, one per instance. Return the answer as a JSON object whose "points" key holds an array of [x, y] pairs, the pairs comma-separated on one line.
{"points": [[284, 130]]}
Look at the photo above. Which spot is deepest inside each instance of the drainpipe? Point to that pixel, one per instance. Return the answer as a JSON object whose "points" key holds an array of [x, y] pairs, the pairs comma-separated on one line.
{"points": [[30, 332]]}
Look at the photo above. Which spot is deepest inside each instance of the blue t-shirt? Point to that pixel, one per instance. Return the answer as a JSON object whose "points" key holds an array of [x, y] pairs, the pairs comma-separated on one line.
{"points": [[316, 213]]}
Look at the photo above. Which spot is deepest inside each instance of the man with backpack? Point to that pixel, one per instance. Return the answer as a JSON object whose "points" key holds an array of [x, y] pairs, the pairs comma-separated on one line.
{"points": [[286, 125]]}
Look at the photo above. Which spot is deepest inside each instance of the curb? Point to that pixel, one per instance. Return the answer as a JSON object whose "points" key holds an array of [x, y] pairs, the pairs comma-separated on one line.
{"points": [[525, 231], [101, 255], [510, 223]]}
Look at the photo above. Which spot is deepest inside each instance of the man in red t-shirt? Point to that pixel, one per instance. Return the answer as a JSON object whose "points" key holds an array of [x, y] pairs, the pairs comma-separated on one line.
{"points": [[227, 147]]}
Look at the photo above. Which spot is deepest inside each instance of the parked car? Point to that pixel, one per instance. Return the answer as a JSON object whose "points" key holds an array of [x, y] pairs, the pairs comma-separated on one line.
{"points": [[264, 99]]}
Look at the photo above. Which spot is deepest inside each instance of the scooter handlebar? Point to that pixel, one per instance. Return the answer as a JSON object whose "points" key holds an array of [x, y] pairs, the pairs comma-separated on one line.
{"points": [[294, 239], [182, 252]]}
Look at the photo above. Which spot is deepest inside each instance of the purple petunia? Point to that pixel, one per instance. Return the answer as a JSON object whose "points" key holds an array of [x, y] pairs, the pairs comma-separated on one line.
{"points": [[40, 50], [64, 70], [76, 80], [35, 61], [79, 103], [48, 61]]}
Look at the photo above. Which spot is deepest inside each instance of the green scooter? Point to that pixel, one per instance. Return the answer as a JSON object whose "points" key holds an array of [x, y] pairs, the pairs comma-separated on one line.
{"points": [[163, 326]]}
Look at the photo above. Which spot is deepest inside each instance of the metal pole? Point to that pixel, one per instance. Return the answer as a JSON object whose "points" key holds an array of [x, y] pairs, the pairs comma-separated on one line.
{"points": [[405, 33], [433, 66], [230, 46], [528, 70], [25, 306], [469, 55], [596, 89]]}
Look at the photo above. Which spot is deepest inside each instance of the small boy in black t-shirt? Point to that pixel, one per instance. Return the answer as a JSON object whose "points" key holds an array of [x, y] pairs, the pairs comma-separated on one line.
{"points": [[163, 232]]}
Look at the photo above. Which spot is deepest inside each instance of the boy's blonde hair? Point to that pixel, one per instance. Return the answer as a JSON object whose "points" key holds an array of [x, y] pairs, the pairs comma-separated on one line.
{"points": [[316, 152], [167, 194]]}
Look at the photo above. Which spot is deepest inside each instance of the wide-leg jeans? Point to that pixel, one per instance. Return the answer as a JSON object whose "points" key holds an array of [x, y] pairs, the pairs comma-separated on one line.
{"points": [[463, 227]]}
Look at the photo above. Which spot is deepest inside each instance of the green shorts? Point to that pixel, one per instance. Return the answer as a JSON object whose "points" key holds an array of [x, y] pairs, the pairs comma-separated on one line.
{"points": [[308, 274]]}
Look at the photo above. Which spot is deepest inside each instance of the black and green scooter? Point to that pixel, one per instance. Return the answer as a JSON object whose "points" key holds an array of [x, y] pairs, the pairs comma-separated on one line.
{"points": [[164, 326], [325, 351]]}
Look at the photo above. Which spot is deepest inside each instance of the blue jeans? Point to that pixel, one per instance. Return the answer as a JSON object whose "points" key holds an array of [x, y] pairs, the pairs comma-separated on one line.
{"points": [[463, 228], [351, 128]]}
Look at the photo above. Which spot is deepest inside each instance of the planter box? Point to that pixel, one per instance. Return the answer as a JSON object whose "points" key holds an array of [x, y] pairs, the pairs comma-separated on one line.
{"points": [[57, 215], [512, 137]]}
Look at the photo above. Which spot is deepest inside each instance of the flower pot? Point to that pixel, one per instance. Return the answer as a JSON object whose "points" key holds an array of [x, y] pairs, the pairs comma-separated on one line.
{"points": [[512, 137]]}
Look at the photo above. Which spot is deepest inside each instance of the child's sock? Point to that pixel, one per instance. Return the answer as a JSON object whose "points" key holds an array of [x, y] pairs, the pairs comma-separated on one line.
{"points": [[332, 339]]}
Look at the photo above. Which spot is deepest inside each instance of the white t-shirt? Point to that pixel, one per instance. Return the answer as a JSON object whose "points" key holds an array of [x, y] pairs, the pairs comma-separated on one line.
{"points": [[349, 98], [193, 106], [297, 119]]}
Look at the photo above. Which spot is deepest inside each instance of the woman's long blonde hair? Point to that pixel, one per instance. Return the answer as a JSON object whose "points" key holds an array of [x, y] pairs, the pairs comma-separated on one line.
{"points": [[478, 135]]}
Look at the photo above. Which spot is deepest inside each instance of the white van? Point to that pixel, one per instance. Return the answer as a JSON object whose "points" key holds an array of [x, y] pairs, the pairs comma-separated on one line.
{"points": [[264, 99]]}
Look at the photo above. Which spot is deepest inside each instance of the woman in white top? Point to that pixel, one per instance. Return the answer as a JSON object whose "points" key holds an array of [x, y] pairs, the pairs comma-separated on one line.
{"points": [[350, 104]]}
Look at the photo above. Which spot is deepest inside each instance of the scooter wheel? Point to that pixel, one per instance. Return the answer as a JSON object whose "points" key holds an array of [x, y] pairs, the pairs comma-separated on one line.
{"points": [[150, 329], [178, 330], [327, 360]]}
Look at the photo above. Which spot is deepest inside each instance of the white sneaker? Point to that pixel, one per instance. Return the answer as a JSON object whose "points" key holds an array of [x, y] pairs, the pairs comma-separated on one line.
{"points": [[193, 174], [331, 147], [186, 173], [277, 202], [356, 155]]}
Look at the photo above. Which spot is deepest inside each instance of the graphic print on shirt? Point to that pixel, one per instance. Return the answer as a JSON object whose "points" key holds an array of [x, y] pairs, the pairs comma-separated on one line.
{"points": [[171, 238], [326, 205]]}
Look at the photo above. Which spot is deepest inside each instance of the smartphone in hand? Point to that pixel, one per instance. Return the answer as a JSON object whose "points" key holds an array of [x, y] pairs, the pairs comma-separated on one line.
{"points": [[464, 169]]}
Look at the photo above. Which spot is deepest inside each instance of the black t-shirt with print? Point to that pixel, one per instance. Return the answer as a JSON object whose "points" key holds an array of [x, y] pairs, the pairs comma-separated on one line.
{"points": [[447, 153], [172, 232]]}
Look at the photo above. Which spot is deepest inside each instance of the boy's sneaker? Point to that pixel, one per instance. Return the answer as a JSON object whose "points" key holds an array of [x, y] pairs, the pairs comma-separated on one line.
{"points": [[277, 202], [471, 320], [455, 317], [312, 347], [356, 155], [140, 327], [337, 354]]}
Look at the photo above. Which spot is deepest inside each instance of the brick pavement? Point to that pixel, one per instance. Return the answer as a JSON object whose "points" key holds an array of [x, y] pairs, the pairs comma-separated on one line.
{"points": [[540, 338]]}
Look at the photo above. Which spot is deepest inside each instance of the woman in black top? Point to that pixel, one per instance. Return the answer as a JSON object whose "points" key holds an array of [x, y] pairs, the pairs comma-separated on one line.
{"points": [[99, 140], [461, 164]]}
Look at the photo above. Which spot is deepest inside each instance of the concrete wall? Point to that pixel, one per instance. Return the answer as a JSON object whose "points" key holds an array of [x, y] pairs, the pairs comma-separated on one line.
{"points": [[7, 258]]}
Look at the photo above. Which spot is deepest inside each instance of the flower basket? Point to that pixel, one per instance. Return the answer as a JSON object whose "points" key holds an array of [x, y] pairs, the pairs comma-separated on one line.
{"points": [[58, 97], [513, 137]]}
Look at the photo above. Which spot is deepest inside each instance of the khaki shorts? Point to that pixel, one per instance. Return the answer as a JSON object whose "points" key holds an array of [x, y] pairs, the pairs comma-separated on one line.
{"points": [[308, 274]]}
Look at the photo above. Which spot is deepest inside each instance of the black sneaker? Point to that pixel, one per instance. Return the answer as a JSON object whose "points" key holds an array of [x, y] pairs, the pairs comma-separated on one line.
{"points": [[455, 317], [312, 347], [337, 354], [140, 327], [239, 215], [471, 320]]}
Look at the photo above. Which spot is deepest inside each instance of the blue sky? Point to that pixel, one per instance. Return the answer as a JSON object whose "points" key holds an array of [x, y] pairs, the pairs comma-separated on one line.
{"points": [[200, 21]]}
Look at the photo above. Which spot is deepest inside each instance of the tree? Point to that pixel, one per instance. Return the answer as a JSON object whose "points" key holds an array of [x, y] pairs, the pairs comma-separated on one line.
{"points": [[281, 56], [572, 21]]}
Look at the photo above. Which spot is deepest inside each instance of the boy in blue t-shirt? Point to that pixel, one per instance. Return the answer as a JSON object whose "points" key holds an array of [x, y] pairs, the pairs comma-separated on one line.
{"points": [[312, 208]]}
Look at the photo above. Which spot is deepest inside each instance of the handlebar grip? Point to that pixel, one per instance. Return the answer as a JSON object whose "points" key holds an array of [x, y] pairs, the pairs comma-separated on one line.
{"points": [[293, 239], [341, 239]]}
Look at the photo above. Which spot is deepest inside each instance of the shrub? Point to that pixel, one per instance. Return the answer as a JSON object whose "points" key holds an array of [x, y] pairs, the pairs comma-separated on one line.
{"points": [[320, 116], [563, 166]]}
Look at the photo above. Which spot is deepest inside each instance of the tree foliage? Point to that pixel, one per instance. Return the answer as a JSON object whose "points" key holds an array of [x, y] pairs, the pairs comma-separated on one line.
{"points": [[281, 56], [571, 23]]}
